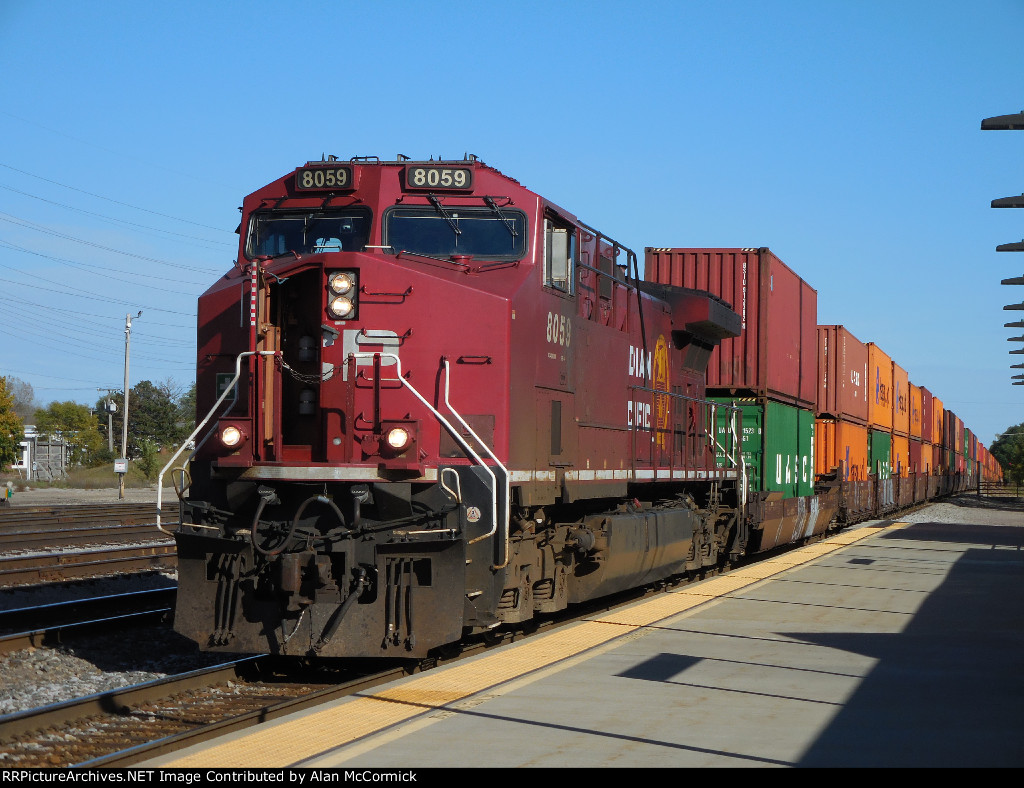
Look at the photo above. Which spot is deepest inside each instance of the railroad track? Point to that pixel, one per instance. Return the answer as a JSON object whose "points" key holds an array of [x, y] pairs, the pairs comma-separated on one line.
{"points": [[58, 566], [37, 527], [48, 626], [125, 726], [61, 515], [35, 542]]}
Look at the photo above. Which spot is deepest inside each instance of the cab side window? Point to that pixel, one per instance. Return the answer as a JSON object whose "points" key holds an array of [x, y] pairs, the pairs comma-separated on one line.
{"points": [[559, 255]]}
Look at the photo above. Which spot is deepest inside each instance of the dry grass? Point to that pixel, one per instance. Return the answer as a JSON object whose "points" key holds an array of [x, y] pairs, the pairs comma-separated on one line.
{"points": [[86, 478]]}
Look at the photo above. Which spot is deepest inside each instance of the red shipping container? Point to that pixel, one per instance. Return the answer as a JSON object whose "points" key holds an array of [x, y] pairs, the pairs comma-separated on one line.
{"points": [[952, 432], [927, 419], [775, 355], [900, 401], [842, 375], [920, 457]]}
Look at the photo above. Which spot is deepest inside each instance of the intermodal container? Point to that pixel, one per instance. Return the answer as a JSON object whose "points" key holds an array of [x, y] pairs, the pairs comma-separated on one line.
{"points": [[900, 401], [777, 444], [920, 457], [879, 451], [842, 445], [938, 412], [775, 355], [899, 458], [842, 375], [927, 419], [915, 411], [879, 389]]}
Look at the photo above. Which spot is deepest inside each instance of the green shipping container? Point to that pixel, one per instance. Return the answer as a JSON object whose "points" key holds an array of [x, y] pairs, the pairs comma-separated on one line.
{"points": [[777, 442], [880, 451]]}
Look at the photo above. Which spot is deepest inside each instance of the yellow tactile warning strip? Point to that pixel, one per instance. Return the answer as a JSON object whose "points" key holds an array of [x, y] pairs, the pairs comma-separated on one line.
{"points": [[285, 744]]}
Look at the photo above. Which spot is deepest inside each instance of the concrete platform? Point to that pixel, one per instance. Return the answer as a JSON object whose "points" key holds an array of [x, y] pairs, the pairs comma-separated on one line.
{"points": [[894, 644]]}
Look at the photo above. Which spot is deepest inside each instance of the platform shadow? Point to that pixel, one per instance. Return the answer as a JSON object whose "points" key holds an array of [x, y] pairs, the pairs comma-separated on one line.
{"points": [[948, 690]]}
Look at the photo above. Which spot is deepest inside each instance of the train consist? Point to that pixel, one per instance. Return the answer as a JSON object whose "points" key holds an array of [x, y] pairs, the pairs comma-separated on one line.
{"points": [[433, 403]]}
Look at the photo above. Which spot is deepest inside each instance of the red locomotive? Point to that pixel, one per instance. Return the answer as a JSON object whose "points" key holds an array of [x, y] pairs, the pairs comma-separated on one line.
{"points": [[437, 403], [440, 403]]}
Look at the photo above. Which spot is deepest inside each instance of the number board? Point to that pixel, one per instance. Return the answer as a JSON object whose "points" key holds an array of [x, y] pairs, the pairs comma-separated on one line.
{"points": [[320, 179], [423, 176]]}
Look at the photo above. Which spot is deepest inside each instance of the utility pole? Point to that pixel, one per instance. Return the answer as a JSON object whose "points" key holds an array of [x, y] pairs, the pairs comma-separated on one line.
{"points": [[111, 408], [121, 466]]}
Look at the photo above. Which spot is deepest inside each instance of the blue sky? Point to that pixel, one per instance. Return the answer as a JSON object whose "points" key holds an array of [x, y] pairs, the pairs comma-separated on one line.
{"points": [[845, 136]]}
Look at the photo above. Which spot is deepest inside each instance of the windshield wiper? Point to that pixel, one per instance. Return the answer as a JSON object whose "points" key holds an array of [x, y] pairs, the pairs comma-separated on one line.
{"points": [[444, 212], [504, 219]]}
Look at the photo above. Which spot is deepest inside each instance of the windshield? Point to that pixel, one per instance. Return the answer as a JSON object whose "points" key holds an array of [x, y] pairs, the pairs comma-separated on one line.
{"points": [[273, 233], [443, 232]]}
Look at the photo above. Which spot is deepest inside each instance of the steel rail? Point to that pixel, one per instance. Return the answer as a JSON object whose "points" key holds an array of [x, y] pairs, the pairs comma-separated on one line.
{"points": [[58, 634], [71, 610], [63, 537], [48, 567], [117, 701]]}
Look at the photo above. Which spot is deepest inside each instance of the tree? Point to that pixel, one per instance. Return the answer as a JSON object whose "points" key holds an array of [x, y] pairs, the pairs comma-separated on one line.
{"points": [[1008, 449], [74, 424], [187, 410], [152, 416], [160, 413], [11, 432], [24, 398]]}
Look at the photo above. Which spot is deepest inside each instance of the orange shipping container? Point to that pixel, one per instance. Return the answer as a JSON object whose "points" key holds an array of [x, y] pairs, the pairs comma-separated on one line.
{"points": [[900, 401], [840, 444], [916, 411], [879, 389], [899, 457], [937, 411]]}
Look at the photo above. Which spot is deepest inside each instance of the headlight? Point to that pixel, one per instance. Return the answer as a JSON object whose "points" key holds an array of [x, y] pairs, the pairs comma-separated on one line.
{"points": [[341, 282], [341, 307], [398, 438], [231, 436]]}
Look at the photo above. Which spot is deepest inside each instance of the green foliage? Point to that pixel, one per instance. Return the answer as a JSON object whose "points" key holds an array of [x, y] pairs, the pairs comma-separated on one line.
{"points": [[160, 413], [1008, 449], [149, 458], [74, 424], [11, 432]]}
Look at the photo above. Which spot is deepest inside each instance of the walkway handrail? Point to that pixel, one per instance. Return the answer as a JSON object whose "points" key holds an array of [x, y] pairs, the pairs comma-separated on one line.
{"points": [[455, 434], [230, 388]]}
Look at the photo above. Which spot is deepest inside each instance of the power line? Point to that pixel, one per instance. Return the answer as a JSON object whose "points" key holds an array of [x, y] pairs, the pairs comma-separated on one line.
{"points": [[115, 219], [108, 199], [41, 229], [90, 268]]}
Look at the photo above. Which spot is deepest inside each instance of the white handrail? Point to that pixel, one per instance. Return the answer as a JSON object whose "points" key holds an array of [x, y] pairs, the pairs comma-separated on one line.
{"points": [[508, 483], [455, 434], [229, 388]]}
